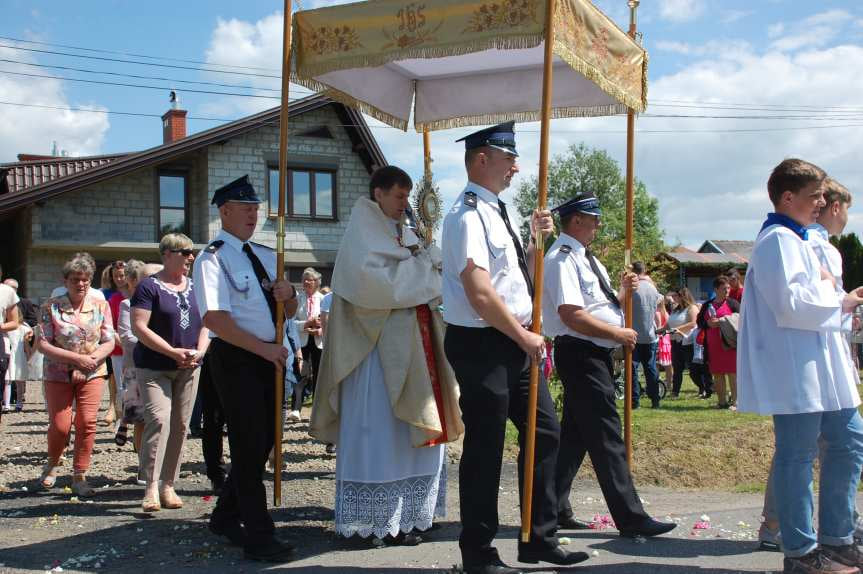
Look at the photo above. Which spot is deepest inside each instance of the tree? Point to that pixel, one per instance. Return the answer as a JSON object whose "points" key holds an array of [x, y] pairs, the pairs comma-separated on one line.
{"points": [[852, 259], [588, 169]]}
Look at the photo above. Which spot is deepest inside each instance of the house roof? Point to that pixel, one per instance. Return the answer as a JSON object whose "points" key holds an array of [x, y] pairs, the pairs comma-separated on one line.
{"points": [[689, 257], [98, 170], [32, 170], [727, 246]]}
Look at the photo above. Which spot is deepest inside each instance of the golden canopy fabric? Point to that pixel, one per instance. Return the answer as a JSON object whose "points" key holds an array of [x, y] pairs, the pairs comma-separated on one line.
{"points": [[457, 62]]}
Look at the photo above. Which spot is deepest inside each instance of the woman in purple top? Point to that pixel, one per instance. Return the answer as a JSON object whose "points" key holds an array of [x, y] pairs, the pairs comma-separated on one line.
{"points": [[171, 344]]}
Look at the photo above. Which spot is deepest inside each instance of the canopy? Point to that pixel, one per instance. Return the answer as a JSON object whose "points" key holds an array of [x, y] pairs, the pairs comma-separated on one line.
{"points": [[473, 62]]}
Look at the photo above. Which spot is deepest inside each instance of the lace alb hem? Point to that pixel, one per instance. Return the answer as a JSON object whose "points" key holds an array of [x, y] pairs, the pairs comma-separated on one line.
{"points": [[379, 509]]}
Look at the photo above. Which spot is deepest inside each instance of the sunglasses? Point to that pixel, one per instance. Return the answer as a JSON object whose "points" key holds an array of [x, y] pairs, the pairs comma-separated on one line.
{"points": [[184, 252], [118, 265]]}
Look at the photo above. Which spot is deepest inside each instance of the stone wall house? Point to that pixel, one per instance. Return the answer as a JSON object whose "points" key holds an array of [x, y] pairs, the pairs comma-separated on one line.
{"points": [[119, 206]]}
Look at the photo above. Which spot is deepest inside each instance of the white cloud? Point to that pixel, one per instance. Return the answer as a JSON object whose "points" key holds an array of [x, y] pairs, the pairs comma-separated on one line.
{"points": [[815, 31], [681, 10], [713, 184], [32, 130], [775, 30], [731, 16]]}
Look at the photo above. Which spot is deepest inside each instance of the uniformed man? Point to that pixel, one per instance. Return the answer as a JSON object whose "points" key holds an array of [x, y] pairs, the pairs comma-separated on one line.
{"points": [[487, 291], [583, 314], [237, 289]]}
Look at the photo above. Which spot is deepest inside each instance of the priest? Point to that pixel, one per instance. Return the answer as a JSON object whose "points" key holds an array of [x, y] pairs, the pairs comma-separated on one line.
{"points": [[386, 394]]}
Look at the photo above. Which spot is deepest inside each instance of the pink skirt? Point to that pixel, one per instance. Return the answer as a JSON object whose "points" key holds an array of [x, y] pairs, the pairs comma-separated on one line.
{"points": [[663, 351]]}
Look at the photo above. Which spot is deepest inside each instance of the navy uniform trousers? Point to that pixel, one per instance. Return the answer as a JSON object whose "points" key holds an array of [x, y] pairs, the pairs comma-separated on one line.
{"points": [[591, 425], [494, 375], [244, 382], [214, 422]]}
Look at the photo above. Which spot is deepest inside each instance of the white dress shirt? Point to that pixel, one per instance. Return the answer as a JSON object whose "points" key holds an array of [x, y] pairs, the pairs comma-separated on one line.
{"points": [[569, 280], [479, 233], [784, 363], [303, 315], [224, 280]]}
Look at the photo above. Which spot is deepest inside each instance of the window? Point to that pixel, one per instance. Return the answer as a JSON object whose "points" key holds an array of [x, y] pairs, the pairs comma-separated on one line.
{"points": [[311, 193], [173, 204]]}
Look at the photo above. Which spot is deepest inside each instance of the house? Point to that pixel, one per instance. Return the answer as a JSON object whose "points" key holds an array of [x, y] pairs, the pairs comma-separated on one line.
{"points": [[697, 269], [119, 206]]}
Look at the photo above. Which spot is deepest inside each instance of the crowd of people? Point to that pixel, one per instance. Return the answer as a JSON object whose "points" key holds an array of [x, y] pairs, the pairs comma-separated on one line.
{"points": [[415, 347]]}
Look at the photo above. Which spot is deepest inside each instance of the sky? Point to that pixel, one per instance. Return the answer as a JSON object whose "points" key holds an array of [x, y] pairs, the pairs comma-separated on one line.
{"points": [[793, 67]]}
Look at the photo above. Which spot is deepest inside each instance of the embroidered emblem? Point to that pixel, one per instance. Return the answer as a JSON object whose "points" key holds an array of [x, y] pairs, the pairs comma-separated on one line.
{"points": [[470, 199], [565, 249], [214, 246]]}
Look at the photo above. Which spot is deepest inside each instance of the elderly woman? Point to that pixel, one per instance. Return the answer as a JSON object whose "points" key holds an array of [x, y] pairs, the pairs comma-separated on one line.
{"points": [[77, 337], [130, 400], [308, 322], [171, 344], [722, 361], [114, 288]]}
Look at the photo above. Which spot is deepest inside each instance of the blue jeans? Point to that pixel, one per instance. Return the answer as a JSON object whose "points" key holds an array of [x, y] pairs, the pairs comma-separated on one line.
{"points": [[842, 460], [645, 354]]}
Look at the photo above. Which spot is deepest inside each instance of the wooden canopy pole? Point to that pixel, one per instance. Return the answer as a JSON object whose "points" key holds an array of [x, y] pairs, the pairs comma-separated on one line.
{"points": [[280, 250], [536, 323], [627, 254]]}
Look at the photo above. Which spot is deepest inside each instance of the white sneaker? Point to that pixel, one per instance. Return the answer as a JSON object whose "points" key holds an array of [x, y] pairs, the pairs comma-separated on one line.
{"points": [[294, 416]]}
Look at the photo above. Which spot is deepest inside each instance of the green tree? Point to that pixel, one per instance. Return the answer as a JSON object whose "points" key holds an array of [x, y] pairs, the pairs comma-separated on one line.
{"points": [[587, 169], [852, 259]]}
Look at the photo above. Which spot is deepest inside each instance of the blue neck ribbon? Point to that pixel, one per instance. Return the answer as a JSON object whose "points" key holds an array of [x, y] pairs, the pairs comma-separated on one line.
{"points": [[785, 221]]}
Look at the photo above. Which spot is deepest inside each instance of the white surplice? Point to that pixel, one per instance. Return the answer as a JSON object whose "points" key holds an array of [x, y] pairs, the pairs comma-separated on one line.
{"points": [[383, 484], [784, 365], [837, 342]]}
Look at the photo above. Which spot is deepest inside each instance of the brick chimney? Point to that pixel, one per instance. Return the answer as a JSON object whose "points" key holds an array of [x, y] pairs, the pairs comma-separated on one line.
{"points": [[174, 125]]}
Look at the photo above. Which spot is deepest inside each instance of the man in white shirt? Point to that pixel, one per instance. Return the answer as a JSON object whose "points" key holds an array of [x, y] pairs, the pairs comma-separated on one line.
{"points": [[487, 291], [584, 315], [785, 368], [237, 291]]}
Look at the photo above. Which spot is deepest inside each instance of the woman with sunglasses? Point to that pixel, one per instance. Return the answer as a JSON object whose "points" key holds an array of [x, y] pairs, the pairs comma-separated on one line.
{"points": [[115, 290], [171, 344]]}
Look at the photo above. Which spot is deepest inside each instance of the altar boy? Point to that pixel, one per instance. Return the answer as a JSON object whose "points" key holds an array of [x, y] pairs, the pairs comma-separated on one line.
{"points": [[784, 369]]}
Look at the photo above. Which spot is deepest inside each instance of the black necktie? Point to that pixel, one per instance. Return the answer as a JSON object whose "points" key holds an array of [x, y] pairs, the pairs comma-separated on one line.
{"points": [[263, 279], [603, 284], [522, 260]]}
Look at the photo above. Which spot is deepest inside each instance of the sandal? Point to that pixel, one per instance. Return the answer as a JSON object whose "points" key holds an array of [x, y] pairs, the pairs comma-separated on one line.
{"points": [[49, 475], [81, 488], [169, 499]]}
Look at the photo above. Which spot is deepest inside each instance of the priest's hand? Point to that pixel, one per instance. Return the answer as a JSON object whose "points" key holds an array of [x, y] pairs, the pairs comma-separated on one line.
{"points": [[542, 221]]}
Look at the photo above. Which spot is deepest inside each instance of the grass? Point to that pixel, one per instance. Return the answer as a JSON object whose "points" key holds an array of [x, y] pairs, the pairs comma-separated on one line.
{"points": [[689, 443]]}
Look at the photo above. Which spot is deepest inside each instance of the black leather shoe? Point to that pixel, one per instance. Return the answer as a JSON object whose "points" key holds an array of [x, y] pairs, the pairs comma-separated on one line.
{"points": [[492, 569], [273, 551], [647, 528], [233, 531], [556, 555], [572, 523]]}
